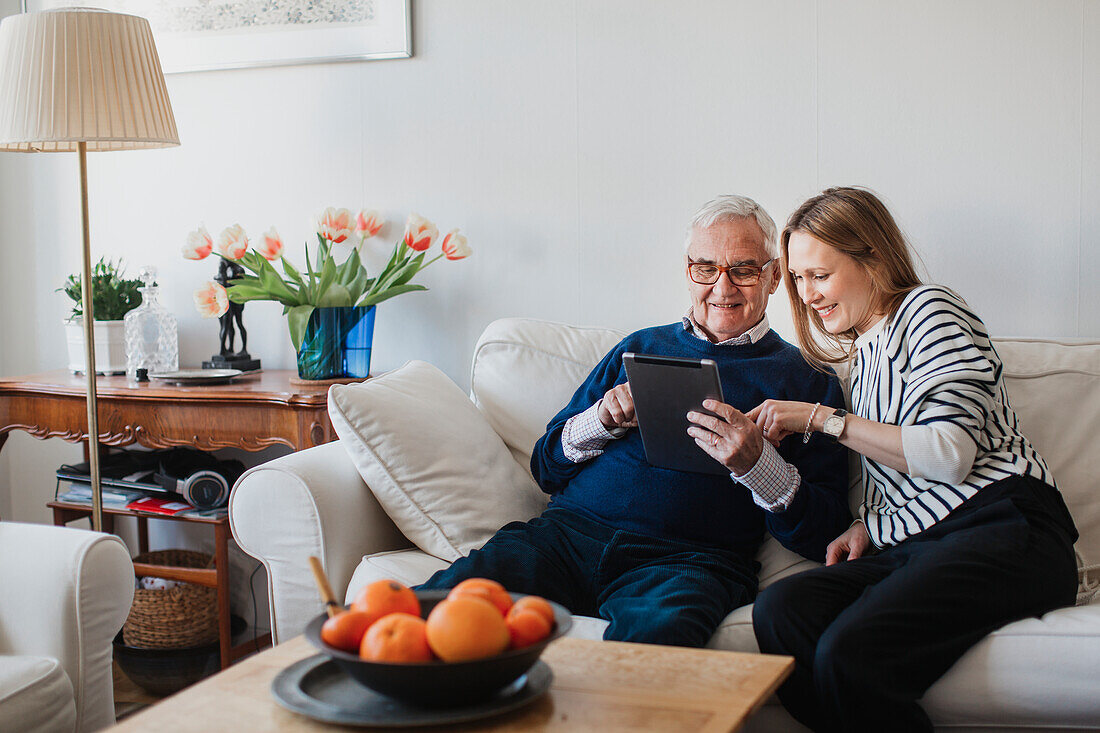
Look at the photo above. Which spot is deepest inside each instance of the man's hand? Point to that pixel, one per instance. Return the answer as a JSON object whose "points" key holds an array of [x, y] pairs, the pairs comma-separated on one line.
{"points": [[617, 408], [848, 546], [731, 438]]}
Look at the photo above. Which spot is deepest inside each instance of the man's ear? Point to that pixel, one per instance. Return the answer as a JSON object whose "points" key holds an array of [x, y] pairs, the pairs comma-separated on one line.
{"points": [[775, 281]]}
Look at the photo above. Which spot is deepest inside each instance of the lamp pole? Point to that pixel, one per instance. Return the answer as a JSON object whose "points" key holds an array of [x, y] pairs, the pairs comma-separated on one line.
{"points": [[89, 344]]}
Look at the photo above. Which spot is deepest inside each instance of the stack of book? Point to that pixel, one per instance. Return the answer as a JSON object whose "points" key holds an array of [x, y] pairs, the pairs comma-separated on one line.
{"points": [[113, 498]]}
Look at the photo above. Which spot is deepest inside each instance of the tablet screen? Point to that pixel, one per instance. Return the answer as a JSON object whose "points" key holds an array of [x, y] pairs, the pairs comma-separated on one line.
{"points": [[665, 389]]}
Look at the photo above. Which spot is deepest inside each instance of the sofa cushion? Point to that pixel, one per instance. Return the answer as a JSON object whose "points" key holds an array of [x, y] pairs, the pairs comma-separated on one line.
{"points": [[411, 567], [1038, 672], [1055, 389], [526, 370], [432, 460], [35, 695]]}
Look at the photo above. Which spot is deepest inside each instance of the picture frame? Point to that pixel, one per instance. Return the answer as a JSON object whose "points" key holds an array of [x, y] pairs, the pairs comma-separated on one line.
{"points": [[207, 35]]}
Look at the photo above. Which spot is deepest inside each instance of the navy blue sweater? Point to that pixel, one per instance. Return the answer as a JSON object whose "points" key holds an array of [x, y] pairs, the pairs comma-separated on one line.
{"points": [[620, 489]]}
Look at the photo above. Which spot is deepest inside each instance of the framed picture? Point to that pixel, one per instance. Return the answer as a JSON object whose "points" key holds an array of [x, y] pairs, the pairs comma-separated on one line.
{"points": [[201, 35]]}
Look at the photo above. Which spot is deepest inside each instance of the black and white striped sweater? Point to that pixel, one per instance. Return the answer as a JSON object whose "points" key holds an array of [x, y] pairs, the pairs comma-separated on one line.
{"points": [[932, 364]]}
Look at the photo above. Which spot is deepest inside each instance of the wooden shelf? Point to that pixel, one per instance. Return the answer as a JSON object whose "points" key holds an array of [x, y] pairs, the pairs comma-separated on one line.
{"points": [[216, 577]]}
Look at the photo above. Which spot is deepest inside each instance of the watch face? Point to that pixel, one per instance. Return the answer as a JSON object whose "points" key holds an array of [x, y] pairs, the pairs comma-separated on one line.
{"points": [[834, 425]]}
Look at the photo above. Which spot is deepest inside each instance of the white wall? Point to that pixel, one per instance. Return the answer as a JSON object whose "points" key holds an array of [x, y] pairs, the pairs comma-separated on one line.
{"points": [[571, 141]]}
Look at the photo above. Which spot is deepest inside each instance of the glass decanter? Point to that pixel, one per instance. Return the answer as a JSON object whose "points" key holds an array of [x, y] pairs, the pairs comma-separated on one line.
{"points": [[152, 340]]}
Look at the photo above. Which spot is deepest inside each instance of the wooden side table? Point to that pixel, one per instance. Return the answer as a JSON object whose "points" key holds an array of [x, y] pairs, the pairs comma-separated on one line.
{"points": [[216, 577], [252, 413]]}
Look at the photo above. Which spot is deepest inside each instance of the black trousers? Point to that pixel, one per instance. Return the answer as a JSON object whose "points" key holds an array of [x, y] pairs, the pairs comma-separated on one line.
{"points": [[870, 636]]}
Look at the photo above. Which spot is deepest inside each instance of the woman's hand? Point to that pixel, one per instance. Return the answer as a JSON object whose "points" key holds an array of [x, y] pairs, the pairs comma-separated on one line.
{"points": [[848, 546], [732, 439], [617, 408], [881, 442], [778, 418]]}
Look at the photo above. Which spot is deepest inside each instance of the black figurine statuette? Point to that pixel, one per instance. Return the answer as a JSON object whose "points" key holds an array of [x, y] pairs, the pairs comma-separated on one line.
{"points": [[230, 322]]}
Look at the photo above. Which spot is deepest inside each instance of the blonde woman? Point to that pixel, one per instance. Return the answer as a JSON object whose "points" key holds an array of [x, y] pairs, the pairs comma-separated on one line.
{"points": [[961, 529]]}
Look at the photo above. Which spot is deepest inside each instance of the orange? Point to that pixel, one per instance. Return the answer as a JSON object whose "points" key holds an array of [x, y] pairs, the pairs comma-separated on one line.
{"points": [[535, 603], [526, 626], [490, 590], [396, 637], [466, 627], [345, 630], [384, 597]]}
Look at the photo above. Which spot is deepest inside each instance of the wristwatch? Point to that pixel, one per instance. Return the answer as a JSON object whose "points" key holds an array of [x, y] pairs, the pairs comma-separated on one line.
{"points": [[834, 424]]}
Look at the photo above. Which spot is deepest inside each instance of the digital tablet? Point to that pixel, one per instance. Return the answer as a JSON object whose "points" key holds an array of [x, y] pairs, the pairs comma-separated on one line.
{"points": [[665, 389]]}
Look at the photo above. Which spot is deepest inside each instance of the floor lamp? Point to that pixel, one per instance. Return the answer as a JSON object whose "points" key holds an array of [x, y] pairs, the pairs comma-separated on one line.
{"points": [[80, 79]]}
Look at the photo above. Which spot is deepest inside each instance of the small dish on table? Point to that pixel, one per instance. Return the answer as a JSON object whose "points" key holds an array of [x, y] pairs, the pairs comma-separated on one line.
{"points": [[197, 376]]}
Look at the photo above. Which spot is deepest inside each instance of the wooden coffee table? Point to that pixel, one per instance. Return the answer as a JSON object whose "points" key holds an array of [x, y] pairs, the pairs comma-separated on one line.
{"points": [[598, 685]]}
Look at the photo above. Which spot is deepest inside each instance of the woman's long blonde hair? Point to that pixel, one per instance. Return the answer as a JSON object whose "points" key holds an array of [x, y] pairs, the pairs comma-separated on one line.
{"points": [[856, 223]]}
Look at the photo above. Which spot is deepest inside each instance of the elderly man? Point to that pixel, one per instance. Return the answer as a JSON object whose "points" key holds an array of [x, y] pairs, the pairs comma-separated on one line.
{"points": [[665, 555]]}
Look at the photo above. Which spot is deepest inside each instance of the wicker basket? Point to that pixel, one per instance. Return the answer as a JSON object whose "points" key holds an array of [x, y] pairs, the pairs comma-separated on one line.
{"points": [[176, 618]]}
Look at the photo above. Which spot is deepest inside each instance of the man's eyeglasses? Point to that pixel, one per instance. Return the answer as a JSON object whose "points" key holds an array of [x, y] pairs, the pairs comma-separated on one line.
{"points": [[744, 275]]}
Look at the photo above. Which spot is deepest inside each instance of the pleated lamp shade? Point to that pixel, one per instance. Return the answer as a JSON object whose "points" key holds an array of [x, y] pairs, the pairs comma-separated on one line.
{"points": [[81, 74]]}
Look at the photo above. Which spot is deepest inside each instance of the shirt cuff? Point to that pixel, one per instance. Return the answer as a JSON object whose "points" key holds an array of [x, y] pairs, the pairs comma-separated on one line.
{"points": [[772, 481], [584, 436]]}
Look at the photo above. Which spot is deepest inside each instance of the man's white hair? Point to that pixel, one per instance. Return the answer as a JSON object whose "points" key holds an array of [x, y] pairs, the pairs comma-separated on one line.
{"points": [[726, 208]]}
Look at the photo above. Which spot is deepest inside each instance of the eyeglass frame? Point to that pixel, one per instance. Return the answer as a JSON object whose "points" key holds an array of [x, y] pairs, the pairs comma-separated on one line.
{"points": [[726, 270]]}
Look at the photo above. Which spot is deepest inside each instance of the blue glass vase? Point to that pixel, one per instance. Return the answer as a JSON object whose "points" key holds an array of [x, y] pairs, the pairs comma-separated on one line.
{"points": [[337, 343]]}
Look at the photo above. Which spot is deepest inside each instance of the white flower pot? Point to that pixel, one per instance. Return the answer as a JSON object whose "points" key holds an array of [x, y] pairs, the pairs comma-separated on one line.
{"points": [[110, 346]]}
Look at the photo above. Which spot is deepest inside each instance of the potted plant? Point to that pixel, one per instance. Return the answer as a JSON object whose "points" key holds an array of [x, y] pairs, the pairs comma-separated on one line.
{"points": [[329, 306], [113, 296]]}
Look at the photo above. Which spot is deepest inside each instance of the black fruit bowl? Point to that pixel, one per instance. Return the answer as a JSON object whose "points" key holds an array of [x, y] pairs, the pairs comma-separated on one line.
{"points": [[441, 684]]}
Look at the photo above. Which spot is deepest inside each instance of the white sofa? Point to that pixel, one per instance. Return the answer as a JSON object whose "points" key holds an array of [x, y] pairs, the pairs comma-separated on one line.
{"points": [[64, 594], [1035, 674]]}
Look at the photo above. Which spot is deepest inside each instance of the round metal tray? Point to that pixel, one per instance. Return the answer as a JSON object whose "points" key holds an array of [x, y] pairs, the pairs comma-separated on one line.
{"points": [[317, 688]]}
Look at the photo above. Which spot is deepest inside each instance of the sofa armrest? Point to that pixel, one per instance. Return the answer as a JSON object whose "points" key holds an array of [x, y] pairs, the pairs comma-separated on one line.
{"points": [[312, 502], [66, 593]]}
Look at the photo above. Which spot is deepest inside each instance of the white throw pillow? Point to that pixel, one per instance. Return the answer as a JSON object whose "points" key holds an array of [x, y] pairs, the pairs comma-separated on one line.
{"points": [[442, 474]]}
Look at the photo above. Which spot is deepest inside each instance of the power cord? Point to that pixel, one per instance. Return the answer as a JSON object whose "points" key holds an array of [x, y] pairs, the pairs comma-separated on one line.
{"points": [[255, 621]]}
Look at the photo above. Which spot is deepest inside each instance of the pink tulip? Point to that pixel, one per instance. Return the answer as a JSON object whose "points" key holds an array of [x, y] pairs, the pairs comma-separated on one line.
{"points": [[335, 225], [271, 245], [211, 300], [233, 242], [368, 223], [419, 233], [454, 246], [199, 245]]}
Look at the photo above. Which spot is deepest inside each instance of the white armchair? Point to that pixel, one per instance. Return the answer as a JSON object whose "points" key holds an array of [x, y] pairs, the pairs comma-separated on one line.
{"points": [[65, 594]]}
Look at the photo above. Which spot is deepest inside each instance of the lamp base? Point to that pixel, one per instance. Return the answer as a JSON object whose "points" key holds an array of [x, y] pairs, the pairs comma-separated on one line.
{"points": [[244, 363]]}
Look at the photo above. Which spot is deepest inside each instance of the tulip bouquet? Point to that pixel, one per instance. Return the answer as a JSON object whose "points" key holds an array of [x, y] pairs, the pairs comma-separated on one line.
{"points": [[324, 283]]}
